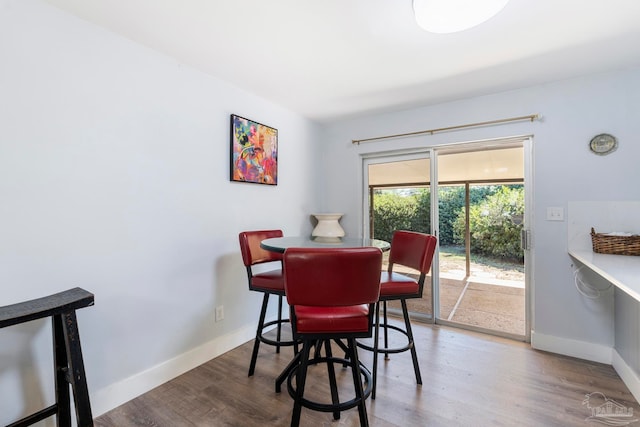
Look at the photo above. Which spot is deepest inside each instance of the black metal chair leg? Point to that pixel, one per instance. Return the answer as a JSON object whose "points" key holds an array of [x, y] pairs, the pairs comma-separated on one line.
{"points": [[318, 349], [301, 377], [279, 329], [414, 354], [376, 337], [386, 329], [256, 344], [333, 385], [357, 383], [345, 349]]}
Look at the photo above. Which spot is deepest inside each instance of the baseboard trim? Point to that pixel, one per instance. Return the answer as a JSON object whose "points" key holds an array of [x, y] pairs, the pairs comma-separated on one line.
{"points": [[593, 352], [628, 375], [116, 394], [574, 348]]}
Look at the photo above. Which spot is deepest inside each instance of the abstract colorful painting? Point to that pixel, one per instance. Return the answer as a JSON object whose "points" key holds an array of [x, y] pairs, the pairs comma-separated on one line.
{"points": [[254, 152]]}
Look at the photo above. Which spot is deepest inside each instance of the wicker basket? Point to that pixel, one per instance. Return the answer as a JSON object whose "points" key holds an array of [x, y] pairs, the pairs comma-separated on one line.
{"points": [[615, 245]]}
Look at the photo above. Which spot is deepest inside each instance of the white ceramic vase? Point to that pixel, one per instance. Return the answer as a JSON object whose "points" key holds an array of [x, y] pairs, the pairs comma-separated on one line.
{"points": [[328, 225]]}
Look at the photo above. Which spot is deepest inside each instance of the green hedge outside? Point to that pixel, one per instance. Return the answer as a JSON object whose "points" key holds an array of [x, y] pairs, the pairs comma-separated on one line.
{"points": [[494, 232]]}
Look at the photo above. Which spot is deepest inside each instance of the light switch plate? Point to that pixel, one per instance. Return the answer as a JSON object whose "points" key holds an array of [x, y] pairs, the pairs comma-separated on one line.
{"points": [[555, 214]]}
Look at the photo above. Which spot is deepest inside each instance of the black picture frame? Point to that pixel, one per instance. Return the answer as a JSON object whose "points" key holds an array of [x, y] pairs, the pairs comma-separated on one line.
{"points": [[254, 152]]}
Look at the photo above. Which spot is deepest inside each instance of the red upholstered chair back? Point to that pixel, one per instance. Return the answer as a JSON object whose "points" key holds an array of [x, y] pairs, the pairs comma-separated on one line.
{"points": [[252, 253], [332, 277], [413, 250]]}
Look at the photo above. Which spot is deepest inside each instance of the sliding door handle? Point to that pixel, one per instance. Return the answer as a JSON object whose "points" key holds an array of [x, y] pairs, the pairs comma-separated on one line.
{"points": [[524, 239]]}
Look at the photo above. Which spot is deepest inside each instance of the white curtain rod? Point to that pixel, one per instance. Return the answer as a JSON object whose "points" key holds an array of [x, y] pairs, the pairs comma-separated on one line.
{"points": [[530, 117]]}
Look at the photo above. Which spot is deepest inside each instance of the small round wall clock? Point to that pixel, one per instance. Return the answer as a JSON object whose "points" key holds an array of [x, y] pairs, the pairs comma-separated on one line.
{"points": [[603, 144]]}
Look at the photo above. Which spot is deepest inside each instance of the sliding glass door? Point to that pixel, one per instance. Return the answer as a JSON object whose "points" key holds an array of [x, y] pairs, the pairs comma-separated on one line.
{"points": [[399, 198], [481, 212], [474, 198]]}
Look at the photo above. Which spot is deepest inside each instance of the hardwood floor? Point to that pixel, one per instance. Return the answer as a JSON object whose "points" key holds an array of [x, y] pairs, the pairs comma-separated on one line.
{"points": [[470, 379]]}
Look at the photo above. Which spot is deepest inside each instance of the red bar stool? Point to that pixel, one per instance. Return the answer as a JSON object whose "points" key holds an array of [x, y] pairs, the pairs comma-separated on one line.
{"points": [[413, 250], [332, 294], [269, 283]]}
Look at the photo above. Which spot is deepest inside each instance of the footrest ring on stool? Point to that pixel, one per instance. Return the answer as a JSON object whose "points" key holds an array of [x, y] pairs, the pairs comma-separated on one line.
{"points": [[263, 338], [392, 350], [330, 407]]}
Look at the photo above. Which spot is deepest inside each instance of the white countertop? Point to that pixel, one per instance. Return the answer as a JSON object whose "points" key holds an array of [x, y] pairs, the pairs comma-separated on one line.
{"points": [[623, 271]]}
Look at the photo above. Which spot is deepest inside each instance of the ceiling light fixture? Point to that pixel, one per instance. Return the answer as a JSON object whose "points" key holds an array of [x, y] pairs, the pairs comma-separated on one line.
{"points": [[450, 16]]}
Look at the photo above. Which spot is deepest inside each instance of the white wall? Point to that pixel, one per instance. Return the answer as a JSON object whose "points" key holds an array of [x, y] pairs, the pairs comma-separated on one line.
{"points": [[603, 216], [114, 177], [573, 112]]}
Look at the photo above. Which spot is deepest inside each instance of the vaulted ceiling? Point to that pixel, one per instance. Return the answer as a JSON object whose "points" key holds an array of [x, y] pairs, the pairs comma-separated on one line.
{"points": [[330, 59]]}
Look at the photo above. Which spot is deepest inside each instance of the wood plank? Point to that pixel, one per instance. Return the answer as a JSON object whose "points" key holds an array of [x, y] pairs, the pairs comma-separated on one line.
{"points": [[469, 379]]}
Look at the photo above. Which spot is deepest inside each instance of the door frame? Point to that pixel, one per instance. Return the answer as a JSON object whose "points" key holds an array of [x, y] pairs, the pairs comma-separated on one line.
{"points": [[432, 153], [384, 157]]}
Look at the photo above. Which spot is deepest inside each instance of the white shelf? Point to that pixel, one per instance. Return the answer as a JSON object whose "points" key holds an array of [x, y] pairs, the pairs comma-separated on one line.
{"points": [[621, 270]]}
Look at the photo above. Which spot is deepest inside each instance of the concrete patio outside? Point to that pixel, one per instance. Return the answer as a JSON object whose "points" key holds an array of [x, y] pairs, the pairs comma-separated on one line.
{"points": [[491, 297]]}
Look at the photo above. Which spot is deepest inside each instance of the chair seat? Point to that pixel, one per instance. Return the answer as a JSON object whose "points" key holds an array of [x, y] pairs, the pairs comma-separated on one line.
{"points": [[321, 320], [269, 281], [396, 284]]}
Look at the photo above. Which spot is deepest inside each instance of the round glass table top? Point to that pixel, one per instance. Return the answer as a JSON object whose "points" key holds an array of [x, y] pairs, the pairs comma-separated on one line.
{"points": [[280, 244]]}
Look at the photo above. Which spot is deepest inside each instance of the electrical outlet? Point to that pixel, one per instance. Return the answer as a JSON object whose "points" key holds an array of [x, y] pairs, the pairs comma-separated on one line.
{"points": [[555, 214], [219, 313]]}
